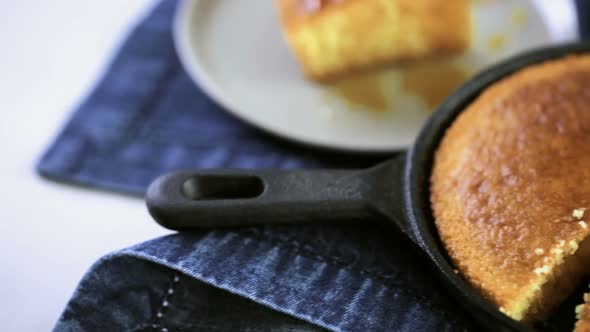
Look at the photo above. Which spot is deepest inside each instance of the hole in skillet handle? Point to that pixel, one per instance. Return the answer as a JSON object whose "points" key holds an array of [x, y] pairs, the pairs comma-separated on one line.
{"points": [[214, 187]]}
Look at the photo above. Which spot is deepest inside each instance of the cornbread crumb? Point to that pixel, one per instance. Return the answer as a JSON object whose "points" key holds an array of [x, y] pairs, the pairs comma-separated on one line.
{"points": [[562, 242], [546, 259], [518, 17], [557, 251], [542, 270], [539, 251], [583, 315], [578, 213], [573, 245], [583, 224]]}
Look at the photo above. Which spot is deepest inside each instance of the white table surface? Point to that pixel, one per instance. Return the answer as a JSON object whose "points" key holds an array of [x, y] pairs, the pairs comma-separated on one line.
{"points": [[50, 234]]}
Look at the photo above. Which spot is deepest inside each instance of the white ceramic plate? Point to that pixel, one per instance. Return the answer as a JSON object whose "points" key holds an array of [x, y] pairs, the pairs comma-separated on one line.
{"points": [[234, 50]]}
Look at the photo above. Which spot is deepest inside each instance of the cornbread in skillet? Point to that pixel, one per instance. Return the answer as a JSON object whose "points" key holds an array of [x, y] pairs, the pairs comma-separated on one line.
{"points": [[583, 314], [510, 188], [331, 38]]}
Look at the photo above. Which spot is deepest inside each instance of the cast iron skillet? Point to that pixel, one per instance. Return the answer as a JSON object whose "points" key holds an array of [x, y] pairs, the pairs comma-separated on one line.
{"points": [[397, 190]]}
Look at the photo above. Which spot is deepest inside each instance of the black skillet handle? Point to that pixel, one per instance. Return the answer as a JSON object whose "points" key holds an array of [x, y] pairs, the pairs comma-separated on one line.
{"points": [[229, 198], [583, 11]]}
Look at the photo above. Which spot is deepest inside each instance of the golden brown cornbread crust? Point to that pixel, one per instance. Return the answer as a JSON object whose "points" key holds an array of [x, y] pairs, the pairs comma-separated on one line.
{"points": [[348, 36], [506, 178]]}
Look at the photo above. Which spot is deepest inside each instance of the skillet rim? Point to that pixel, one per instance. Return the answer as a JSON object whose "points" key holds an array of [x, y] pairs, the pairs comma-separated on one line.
{"points": [[417, 170]]}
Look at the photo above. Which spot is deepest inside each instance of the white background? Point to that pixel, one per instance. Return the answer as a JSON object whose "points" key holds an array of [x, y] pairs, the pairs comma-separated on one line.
{"points": [[50, 56]]}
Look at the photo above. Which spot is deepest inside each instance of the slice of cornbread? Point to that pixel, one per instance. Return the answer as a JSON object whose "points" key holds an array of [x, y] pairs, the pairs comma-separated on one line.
{"points": [[331, 38], [510, 188]]}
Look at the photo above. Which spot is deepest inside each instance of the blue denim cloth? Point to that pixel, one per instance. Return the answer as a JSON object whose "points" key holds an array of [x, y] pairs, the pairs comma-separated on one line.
{"points": [[146, 118], [333, 277]]}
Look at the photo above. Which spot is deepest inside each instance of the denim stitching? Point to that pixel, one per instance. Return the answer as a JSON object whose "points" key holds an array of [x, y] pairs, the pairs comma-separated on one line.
{"points": [[158, 320], [144, 328]]}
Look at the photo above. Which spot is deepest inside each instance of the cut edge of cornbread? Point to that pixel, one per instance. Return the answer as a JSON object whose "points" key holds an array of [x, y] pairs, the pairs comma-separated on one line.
{"points": [[563, 269]]}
